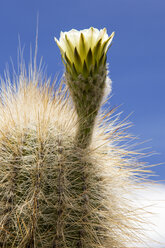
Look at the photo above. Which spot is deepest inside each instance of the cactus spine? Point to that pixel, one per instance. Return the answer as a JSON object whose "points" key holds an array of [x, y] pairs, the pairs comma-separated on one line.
{"points": [[63, 177]]}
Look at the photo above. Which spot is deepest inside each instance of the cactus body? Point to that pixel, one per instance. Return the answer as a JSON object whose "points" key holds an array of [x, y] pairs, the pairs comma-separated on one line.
{"points": [[53, 193], [63, 174]]}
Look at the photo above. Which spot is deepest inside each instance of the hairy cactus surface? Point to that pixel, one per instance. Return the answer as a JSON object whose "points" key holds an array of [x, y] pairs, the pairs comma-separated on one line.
{"points": [[64, 174]]}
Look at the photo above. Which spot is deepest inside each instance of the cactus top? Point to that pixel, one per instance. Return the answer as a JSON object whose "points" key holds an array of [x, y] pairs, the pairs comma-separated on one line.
{"points": [[84, 51]]}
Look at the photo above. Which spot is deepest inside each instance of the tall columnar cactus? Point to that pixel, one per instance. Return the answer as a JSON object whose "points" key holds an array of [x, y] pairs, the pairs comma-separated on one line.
{"points": [[63, 175]]}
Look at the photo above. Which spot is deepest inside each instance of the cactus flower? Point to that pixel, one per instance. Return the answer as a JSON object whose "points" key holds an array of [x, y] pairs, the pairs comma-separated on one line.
{"points": [[84, 51]]}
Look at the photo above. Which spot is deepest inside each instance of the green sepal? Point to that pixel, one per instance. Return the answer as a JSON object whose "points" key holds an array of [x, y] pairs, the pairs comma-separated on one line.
{"points": [[75, 73], [97, 48], [109, 47], [85, 69], [69, 44], [63, 60], [89, 58], [96, 67], [104, 45], [82, 48], [67, 63], [68, 69], [77, 59], [67, 60], [105, 60], [102, 60]]}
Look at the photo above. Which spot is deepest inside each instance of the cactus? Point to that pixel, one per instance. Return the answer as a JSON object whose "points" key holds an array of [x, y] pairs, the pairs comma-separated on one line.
{"points": [[63, 174]]}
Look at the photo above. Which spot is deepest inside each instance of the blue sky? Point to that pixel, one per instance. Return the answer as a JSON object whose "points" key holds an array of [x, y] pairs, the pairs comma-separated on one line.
{"points": [[136, 58]]}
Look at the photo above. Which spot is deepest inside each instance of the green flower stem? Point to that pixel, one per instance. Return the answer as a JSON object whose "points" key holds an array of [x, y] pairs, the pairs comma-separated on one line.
{"points": [[87, 94], [85, 130]]}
